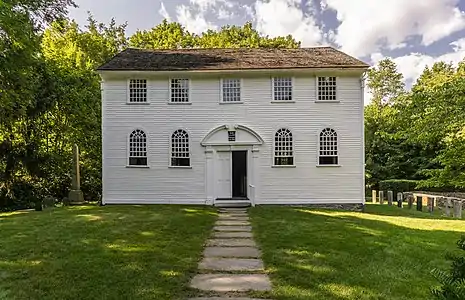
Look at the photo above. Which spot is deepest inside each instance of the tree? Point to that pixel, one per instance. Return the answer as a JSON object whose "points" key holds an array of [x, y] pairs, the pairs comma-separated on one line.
{"points": [[173, 36]]}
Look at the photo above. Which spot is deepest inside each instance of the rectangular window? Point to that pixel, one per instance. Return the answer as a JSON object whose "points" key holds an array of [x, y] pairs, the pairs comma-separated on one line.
{"points": [[282, 89], [327, 89], [137, 90], [231, 136], [179, 90], [231, 90]]}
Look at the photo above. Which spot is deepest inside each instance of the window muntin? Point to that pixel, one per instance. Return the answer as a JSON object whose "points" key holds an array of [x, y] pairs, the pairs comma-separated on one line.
{"points": [[138, 148], [179, 88], [231, 136], [180, 155], [282, 89], [231, 90], [328, 152], [137, 90], [327, 88], [283, 148]]}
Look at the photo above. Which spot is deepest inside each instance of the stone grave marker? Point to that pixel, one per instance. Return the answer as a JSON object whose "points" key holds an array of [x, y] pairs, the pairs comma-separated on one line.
{"points": [[399, 200], [381, 197], [75, 196], [390, 197]]}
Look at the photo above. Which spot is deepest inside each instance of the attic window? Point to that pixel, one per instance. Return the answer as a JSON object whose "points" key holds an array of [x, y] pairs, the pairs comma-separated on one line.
{"points": [[179, 88], [231, 136], [137, 90], [327, 89]]}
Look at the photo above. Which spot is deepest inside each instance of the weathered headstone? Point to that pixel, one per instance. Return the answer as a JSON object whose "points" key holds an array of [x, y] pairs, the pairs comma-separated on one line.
{"points": [[373, 196], [457, 208], [399, 200], [49, 202], [430, 205], [448, 206], [390, 197], [381, 197], [419, 203], [75, 195], [409, 197]]}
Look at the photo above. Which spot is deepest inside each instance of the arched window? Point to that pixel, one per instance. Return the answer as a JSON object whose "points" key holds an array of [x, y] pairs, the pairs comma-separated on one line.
{"points": [[137, 148], [180, 156], [283, 148], [328, 147]]}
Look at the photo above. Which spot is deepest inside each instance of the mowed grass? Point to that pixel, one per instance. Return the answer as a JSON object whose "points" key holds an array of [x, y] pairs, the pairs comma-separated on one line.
{"points": [[112, 252], [384, 253]]}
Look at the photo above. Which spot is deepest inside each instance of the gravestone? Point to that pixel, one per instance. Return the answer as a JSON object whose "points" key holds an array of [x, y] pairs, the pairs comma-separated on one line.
{"points": [[390, 196], [373, 196], [399, 200], [75, 196], [49, 202], [430, 205], [419, 203], [381, 197], [448, 206], [457, 208], [409, 198]]}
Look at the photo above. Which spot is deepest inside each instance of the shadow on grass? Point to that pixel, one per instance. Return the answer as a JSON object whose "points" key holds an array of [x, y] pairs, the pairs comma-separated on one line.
{"points": [[113, 252], [318, 254]]}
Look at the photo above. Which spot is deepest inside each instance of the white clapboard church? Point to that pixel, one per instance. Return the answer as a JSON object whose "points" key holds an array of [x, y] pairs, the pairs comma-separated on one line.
{"points": [[233, 126]]}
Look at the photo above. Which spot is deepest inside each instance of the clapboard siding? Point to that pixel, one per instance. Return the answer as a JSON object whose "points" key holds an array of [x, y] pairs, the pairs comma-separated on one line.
{"points": [[306, 183]]}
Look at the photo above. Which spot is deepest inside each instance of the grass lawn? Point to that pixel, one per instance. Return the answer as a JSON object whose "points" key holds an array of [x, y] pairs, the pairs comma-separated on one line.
{"points": [[112, 252], [384, 253]]}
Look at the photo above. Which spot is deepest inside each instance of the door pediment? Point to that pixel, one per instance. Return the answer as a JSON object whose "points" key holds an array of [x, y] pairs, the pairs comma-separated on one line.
{"points": [[219, 136]]}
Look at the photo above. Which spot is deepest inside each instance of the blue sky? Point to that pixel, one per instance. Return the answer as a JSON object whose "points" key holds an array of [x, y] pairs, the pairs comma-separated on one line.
{"points": [[413, 33]]}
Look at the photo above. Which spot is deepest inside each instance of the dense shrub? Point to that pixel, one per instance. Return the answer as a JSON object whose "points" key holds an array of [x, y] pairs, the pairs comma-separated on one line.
{"points": [[452, 282], [398, 185]]}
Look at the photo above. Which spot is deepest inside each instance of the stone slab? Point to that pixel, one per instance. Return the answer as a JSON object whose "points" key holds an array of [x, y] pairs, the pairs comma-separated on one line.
{"points": [[232, 218], [232, 223], [231, 243], [232, 234], [232, 209], [250, 252], [231, 282], [231, 264], [233, 215], [224, 298], [233, 228]]}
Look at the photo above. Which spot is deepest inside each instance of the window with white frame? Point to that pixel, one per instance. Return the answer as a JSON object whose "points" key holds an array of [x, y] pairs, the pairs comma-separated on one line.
{"points": [[137, 90], [180, 155], [327, 88], [282, 89], [231, 88], [283, 148], [137, 148], [179, 88], [328, 153]]}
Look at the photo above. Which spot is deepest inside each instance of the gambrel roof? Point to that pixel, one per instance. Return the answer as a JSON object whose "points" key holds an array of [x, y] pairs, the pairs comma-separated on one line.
{"points": [[133, 59]]}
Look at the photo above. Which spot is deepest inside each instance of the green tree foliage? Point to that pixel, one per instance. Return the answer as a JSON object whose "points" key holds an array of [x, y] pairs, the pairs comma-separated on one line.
{"points": [[452, 282], [173, 35], [420, 134], [51, 92]]}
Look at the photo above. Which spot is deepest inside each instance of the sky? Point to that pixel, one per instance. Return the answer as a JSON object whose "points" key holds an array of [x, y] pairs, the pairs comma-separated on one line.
{"points": [[414, 33]]}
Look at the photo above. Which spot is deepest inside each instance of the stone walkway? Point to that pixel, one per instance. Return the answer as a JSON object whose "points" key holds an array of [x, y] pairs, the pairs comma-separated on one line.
{"points": [[231, 262]]}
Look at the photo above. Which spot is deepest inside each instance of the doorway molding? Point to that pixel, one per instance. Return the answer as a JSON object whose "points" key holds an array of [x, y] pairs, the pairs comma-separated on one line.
{"points": [[216, 140]]}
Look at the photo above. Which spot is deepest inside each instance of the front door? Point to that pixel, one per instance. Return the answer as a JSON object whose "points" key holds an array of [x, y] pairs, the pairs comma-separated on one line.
{"points": [[239, 174], [223, 172]]}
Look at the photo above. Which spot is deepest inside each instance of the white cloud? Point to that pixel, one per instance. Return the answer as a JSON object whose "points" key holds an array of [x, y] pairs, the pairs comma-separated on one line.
{"points": [[413, 64], [224, 14], [194, 22], [283, 17], [164, 13], [370, 25]]}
